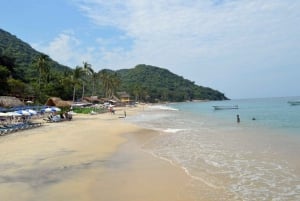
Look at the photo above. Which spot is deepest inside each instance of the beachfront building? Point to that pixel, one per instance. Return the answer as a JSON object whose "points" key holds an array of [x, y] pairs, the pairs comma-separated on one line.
{"points": [[124, 97]]}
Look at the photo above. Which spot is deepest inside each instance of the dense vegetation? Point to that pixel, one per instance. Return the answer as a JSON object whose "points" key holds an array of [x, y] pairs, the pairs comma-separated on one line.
{"points": [[22, 54], [153, 83], [25, 72]]}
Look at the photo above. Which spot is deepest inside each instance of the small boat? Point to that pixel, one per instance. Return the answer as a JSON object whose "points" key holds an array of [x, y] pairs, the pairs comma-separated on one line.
{"points": [[296, 102], [226, 107]]}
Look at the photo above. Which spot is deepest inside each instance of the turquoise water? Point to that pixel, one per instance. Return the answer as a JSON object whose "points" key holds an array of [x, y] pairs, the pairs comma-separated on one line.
{"points": [[251, 160], [274, 113]]}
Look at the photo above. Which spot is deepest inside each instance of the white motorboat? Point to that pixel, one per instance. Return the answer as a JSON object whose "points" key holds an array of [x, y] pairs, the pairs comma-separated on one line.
{"points": [[226, 107], [296, 102]]}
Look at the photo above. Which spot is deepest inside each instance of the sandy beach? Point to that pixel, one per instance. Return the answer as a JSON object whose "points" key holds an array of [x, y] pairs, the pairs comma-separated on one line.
{"points": [[92, 157]]}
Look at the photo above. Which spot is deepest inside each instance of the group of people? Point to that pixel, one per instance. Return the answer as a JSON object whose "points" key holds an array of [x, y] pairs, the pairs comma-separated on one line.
{"points": [[112, 111], [59, 117], [238, 120]]}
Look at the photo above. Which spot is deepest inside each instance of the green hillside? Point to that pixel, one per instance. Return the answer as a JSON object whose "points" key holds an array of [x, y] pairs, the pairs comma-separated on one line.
{"points": [[22, 75], [22, 55], [25, 72], [154, 83]]}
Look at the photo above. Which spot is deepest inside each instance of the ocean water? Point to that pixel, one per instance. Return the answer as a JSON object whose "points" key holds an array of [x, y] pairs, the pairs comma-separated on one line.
{"points": [[251, 160]]}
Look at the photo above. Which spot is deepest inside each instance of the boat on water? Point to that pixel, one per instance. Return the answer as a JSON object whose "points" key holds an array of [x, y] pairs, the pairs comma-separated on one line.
{"points": [[296, 102], [226, 107]]}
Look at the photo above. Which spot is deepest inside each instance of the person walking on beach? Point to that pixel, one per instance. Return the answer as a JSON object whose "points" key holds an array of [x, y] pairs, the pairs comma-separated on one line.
{"points": [[111, 110], [238, 118]]}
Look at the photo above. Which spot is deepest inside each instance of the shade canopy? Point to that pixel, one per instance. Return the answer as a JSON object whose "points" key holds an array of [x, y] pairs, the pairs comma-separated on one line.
{"points": [[51, 109], [9, 101], [10, 114], [23, 112], [57, 102], [2, 114], [32, 112]]}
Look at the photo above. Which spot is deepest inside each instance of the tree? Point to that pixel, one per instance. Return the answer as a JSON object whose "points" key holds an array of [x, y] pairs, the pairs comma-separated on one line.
{"points": [[110, 81], [115, 83], [42, 66], [139, 92], [16, 86], [75, 79], [4, 75], [104, 77], [9, 63], [86, 70], [94, 76]]}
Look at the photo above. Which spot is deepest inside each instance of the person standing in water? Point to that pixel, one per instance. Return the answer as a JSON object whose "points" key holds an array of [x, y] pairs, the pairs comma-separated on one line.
{"points": [[238, 118]]}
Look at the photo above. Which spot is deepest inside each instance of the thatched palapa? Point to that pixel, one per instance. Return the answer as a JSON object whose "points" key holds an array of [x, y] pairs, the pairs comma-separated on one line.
{"points": [[9, 101], [92, 99], [57, 102]]}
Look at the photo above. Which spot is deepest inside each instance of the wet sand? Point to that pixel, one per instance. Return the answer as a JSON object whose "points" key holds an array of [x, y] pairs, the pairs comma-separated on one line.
{"points": [[135, 175], [93, 157]]}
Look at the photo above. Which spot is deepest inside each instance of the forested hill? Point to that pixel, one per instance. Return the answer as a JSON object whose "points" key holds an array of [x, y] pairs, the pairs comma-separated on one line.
{"points": [[22, 54], [25, 72], [161, 84]]}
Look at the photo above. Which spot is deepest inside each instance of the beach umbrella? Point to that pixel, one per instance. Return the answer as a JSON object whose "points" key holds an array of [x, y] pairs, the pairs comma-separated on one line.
{"points": [[51, 109], [2, 114], [10, 114], [23, 112], [29, 102], [47, 110], [32, 112], [56, 109]]}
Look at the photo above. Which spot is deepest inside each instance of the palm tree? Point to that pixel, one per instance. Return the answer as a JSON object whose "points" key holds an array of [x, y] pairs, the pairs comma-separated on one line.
{"points": [[94, 78], [87, 70], [43, 68], [115, 83], [137, 91], [104, 77], [75, 79], [41, 64], [110, 82]]}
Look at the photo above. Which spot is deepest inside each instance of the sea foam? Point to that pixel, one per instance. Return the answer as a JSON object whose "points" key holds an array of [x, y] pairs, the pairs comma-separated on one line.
{"points": [[162, 107], [245, 159]]}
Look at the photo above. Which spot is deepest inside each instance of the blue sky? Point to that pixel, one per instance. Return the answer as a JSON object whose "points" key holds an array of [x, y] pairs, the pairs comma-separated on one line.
{"points": [[244, 48]]}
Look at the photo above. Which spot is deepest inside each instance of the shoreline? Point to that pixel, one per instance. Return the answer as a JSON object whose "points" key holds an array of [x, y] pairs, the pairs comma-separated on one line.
{"points": [[58, 161], [92, 157], [133, 174]]}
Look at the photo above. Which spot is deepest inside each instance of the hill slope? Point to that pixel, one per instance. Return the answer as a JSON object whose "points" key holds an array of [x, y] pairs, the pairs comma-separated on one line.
{"points": [[161, 84], [145, 82], [22, 54]]}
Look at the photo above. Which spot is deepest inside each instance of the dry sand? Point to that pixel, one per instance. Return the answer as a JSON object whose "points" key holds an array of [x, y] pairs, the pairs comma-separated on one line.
{"points": [[91, 158]]}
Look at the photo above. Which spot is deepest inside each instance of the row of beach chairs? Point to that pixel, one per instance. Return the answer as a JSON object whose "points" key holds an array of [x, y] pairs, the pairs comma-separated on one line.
{"points": [[7, 129]]}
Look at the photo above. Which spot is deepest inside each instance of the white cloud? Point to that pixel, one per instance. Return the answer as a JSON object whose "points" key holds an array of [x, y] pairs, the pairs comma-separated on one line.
{"points": [[199, 39], [201, 29], [66, 49]]}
